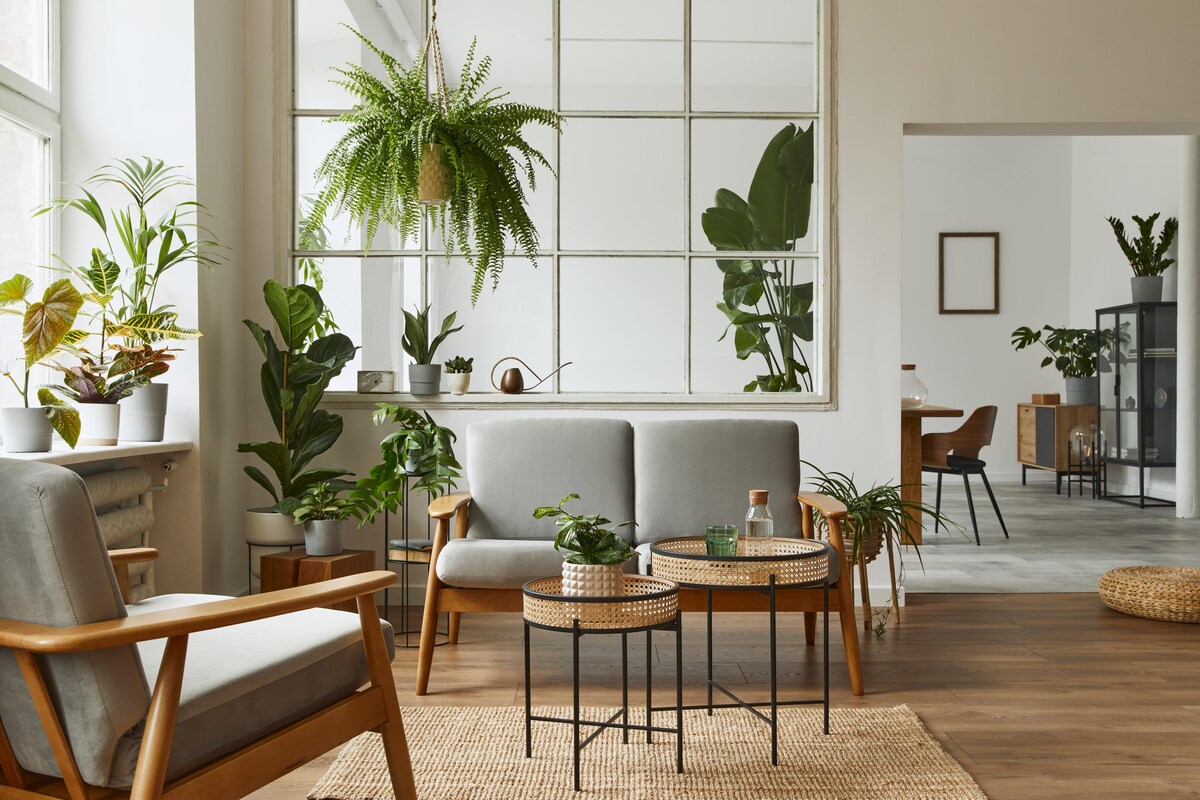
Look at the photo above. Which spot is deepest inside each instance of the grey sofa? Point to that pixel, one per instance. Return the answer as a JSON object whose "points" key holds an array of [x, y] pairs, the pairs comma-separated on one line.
{"points": [[77, 665], [671, 477]]}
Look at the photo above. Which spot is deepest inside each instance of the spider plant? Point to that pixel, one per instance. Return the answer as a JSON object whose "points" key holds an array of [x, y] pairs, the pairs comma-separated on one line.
{"points": [[372, 171]]}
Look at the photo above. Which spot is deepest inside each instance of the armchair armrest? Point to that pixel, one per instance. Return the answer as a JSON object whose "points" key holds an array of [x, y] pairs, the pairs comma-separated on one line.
{"points": [[935, 447], [828, 506], [448, 505], [191, 619], [132, 555]]}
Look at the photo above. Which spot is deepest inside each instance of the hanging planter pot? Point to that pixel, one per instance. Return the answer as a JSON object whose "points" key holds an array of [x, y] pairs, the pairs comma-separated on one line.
{"points": [[435, 183]]}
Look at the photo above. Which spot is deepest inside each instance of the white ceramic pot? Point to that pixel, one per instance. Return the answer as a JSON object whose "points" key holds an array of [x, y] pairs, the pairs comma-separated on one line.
{"points": [[593, 580], [99, 423], [424, 379], [323, 537], [459, 382], [144, 414], [269, 532], [26, 430]]}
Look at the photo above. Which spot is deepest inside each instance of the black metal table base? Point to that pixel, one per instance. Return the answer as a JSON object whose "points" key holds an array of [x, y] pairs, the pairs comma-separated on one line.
{"points": [[624, 725], [774, 703]]}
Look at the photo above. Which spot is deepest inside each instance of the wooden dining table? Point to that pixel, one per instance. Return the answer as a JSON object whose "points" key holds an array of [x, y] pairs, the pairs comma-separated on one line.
{"points": [[910, 459]]}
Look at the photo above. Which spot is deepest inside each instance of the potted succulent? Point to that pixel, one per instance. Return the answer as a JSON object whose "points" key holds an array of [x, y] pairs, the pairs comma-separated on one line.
{"points": [[457, 154], [458, 374], [593, 557], [419, 450], [424, 377], [1073, 354], [323, 515], [46, 330], [1146, 256], [296, 372], [769, 313], [154, 236]]}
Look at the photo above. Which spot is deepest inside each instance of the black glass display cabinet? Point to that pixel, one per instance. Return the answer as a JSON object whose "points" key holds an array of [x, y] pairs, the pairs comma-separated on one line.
{"points": [[1137, 411]]}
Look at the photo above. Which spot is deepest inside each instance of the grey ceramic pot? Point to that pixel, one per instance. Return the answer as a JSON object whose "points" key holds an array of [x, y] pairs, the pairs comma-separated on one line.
{"points": [[323, 537], [1147, 288], [424, 379], [1083, 391]]}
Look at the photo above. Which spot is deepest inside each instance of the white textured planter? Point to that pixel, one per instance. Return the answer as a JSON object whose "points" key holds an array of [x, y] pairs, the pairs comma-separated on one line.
{"points": [[99, 423], [424, 379], [593, 580], [265, 528], [26, 430], [323, 537], [144, 414], [458, 382]]}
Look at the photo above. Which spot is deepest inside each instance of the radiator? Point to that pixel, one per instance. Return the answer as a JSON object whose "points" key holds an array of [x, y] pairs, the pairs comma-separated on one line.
{"points": [[122, 498]]}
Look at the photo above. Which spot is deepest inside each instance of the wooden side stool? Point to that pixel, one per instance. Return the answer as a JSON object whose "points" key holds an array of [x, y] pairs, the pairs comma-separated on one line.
{"points": [[298, 568]]}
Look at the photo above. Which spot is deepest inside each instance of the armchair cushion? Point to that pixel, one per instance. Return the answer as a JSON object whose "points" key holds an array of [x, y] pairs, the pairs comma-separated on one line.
{"points": [[246, 681], [516, 465], [500, 564], [693, 473]]}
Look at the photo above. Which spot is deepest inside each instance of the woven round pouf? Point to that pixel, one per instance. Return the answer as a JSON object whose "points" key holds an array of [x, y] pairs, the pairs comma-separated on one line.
{"points": [[1171, 594]]}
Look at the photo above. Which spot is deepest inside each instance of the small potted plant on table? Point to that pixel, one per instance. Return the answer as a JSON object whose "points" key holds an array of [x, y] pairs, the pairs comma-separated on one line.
{"points": [[458, 374], [1146, 256], [424, 377], [323, 515], [594, 557]]}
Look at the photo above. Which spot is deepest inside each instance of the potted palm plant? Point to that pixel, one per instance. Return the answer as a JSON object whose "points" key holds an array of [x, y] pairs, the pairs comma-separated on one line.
{"points": [[424, 377], [1146, 256], [154, 237], [457, 154], [458, 374], [593, 556], [1073, 353], [323, 514], [296, 372], [46, 330]]}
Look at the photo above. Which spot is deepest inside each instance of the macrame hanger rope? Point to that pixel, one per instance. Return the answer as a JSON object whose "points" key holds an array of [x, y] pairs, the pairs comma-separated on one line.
{"points": [[433, 56]]}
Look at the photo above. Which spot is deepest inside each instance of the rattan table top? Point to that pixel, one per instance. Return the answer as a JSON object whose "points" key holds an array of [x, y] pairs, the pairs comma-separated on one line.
{"points": [[795, 563], [648, 602]]}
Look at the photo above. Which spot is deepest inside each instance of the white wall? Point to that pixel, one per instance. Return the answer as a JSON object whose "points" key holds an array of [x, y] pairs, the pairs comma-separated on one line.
{"points": [[1019, 186]]}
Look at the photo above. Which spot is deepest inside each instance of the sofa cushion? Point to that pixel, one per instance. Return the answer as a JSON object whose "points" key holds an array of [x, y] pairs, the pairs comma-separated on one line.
{"points": [[693, 473], [516, 465], [500, 564], [243, 682]]}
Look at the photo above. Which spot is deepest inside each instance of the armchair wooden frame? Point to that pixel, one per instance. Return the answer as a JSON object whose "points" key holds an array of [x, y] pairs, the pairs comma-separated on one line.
{"points": [[442, 598], [374, 707]]}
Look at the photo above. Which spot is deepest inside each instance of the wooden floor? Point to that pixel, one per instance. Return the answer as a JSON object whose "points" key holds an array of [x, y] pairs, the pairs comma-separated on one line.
{"points": [[1038, 696]]}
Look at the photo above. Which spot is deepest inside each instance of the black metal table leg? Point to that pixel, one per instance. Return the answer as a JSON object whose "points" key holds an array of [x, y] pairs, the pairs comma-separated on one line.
{"points": [[649, 690], [528, 700], [710, 654], [774, 682], [575, 680], [625, 687], [825, 641], [679, 691]]}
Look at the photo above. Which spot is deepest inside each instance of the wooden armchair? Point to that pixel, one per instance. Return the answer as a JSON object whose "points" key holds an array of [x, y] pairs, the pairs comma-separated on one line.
{"points": [[77, 718]]}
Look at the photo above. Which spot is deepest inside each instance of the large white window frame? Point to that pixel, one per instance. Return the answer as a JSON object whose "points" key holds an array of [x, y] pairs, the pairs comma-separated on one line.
{"points": [[822, 398]]}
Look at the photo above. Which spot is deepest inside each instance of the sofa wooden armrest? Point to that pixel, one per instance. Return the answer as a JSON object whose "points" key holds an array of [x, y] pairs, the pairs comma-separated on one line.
{"points": [[448, 505], [189, 619]]}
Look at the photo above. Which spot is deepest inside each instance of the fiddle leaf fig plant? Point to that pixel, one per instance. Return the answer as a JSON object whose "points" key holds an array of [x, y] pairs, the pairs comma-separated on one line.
{"points": [[1146, 256], [769, 312], [582, 538], [372, 173], [295, 374]]}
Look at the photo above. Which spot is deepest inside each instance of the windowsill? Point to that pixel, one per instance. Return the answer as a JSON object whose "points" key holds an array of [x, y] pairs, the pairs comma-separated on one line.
{"points": [[546, 400], [64, 456]]}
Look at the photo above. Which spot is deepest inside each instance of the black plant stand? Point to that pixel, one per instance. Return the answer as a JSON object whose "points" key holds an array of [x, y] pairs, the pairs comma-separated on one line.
{"points": [[406, 629]]}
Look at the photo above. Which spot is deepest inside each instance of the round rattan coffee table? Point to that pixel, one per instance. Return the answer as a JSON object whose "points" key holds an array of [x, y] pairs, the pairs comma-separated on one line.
{"points": [[648, 605], [765, 565]]}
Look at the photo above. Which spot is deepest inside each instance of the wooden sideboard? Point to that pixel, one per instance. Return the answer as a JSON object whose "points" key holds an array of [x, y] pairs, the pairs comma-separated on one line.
{"points": [[1043, 436]]}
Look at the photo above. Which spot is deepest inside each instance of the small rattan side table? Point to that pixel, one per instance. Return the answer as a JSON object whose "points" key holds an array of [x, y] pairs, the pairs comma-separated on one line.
{"points": [[765, 565], [649, 604]]}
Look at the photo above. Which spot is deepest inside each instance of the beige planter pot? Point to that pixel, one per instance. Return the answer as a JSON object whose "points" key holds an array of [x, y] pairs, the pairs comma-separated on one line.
{"points": [[269, 532], [458, 382], [99, 423], [26, 430], [593, 580], [435, 183]]}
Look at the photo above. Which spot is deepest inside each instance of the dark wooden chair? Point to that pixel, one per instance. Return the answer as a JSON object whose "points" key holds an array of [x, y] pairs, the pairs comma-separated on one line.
{"points": [[957, 453]]}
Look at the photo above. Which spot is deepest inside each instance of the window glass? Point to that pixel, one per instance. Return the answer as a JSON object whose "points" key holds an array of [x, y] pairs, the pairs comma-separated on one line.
{"points": [[25, 39]]}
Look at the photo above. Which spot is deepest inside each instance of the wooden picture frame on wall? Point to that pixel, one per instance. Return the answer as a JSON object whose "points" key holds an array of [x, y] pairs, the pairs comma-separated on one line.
{"points": [[969, 273]]}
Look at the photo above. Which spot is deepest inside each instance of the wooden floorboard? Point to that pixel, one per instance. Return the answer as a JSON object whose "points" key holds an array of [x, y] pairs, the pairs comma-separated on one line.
{"points": [[1037, 695]]}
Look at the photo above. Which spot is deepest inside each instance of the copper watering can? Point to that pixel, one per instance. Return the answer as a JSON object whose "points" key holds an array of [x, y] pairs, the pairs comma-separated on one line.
{"points": [[512, 381]]}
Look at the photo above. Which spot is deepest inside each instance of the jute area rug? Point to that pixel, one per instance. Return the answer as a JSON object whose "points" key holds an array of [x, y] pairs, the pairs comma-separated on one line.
{"points": [[479, 754]]}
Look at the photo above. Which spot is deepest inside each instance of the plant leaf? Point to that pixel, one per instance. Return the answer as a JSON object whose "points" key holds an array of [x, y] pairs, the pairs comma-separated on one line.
{"points": [[293, 311], [48, 321], [63, 418], [15, 289]]}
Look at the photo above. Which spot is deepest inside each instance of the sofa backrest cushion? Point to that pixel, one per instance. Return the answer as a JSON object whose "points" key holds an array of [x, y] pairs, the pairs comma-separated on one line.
{"points": [[693, 473], [516, 465], [54, 570]]}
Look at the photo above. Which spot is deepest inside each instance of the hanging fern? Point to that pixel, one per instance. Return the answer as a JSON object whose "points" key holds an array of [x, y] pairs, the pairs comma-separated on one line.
{"points": [[371, 172]]}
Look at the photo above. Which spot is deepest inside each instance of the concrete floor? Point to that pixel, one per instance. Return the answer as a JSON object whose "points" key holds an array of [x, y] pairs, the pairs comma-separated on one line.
{"points": [[1057, 544]]}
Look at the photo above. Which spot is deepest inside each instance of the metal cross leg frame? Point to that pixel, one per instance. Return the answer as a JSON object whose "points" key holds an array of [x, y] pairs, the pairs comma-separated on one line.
{"points": [[623, 714], [773, 719]]}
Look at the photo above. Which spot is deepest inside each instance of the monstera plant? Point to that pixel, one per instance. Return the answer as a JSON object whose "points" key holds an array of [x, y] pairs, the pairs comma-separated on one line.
{"points": [[295, 374], [769, 312]]}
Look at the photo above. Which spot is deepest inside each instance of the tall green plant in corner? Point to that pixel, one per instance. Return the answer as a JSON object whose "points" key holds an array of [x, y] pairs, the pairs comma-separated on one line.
{"points": [[373, 171], [769, 313], [295, 374]]}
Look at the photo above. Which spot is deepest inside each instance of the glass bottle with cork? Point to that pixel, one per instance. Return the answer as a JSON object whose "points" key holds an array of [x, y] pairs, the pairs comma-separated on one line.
{"points": [[759, 523]]}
